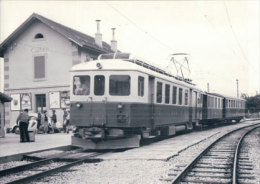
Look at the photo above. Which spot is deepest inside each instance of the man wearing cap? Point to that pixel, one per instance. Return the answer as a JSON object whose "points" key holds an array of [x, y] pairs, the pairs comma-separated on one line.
{"points": [[23, 120]]}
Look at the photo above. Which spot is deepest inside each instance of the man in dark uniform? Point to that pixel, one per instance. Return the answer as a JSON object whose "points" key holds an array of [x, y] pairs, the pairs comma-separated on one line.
{"points": [[23, 120], [65, 114]]}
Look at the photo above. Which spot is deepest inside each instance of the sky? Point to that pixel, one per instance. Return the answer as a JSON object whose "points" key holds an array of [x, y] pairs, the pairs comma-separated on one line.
{"points": [[220, 38]]}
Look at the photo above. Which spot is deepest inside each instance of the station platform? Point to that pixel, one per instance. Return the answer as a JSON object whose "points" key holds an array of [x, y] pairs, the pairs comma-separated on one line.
{"points": [[10, 144]]}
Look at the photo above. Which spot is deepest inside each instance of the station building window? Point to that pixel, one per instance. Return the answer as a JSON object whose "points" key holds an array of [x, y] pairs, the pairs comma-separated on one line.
{"points": [[99, 85], [180, 96], [174, 95], [140, 86], [159, 92], [39, 67], [38, 36], [119, 85], [167, 94]]}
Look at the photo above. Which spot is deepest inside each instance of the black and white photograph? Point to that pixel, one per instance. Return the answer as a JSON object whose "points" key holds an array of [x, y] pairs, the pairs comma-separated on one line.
{"points": [[130, 92]]}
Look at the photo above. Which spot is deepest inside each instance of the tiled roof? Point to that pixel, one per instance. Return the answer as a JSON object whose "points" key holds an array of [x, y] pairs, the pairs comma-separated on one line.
{"points": [[77, 37]]}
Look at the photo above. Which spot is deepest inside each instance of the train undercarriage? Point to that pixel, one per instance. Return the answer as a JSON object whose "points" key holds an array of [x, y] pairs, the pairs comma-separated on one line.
{"points": [[98, 138]]}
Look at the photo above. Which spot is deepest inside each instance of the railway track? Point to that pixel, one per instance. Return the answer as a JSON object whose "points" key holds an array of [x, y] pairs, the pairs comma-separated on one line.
{"points": [[45, 167], [222, 162]]}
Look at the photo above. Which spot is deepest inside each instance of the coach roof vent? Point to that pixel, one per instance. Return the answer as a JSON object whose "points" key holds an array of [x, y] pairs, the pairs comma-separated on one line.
{"points": [[98, 35], [113, 41]]}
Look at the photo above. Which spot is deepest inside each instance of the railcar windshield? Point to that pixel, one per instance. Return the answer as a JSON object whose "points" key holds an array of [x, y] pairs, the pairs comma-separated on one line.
{"points": [[119, 85], [81, 85]]}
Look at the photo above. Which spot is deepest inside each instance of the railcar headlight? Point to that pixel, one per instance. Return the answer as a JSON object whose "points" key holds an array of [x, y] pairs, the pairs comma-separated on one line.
{"points": [[78, 105], [99, 66]]}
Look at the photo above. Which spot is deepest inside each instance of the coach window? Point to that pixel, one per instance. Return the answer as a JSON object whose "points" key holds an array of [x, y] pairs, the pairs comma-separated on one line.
{"points": [[99, 85], [140, 86], [180, 96], [186, 97], [167, 94], [81, 85], [119, 85], [159, 92], [174, 95]]}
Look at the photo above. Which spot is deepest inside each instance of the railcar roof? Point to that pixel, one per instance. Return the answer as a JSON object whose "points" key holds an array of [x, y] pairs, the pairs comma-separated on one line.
{"points": [[125, 65], [225, 96]]}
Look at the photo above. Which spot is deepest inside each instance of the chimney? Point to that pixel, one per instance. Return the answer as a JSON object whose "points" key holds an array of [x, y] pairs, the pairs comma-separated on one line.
{"points": [[98, 35], [113, 41]]}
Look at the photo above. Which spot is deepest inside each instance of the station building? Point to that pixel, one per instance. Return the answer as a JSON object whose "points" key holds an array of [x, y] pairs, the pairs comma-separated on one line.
{"points": [[37, 58]]}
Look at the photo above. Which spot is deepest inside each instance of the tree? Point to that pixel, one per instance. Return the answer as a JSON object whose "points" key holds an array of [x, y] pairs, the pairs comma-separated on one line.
{"points": [[253, 103]]}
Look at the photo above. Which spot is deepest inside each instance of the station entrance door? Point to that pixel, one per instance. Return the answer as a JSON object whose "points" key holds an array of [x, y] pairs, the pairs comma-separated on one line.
{"points": [[40, 102]]}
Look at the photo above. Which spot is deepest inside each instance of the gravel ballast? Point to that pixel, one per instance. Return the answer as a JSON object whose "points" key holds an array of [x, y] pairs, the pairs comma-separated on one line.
{"points": [[116, 169]]}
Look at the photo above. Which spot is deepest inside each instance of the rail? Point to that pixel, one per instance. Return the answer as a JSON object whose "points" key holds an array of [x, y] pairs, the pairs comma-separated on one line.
{"points": [[187, 169], [234, 177], [43, 174]]}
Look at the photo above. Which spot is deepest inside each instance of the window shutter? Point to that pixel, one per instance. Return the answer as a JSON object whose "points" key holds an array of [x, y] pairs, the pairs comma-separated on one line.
{"points": [[39, 67]]}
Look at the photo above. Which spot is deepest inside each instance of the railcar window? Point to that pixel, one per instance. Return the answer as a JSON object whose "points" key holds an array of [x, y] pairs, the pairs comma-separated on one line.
{"points": [[216, 105], [180, 96], [99, 85], [167, 94], [159, 92], [119, 85], [174, 95], [81, 85], [140, 86], [199, 98], [186, 97]]}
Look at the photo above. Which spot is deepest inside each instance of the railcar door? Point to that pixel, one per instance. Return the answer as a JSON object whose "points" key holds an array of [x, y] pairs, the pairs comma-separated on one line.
{"points": [[205, 107], [151, 98], [191, 106], [224, 108], [98, 110], [195, 104]]}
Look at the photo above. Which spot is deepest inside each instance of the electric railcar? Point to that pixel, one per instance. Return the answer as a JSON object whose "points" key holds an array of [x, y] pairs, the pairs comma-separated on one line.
{"points": [[117, 100]]}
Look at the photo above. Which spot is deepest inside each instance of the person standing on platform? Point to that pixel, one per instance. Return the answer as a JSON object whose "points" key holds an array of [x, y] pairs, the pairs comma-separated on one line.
{"points": [[39, 118], [65, 114], [54, 121], [23, 120], [68, 122], [45, 124]]}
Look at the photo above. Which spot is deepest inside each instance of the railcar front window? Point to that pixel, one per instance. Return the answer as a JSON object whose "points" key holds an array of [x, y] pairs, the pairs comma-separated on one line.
{"points": [[159, 92], [99, 85], [119, 85], [81, 85], [140, 86], [180, 96]]}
